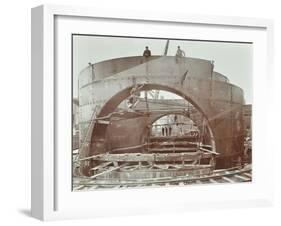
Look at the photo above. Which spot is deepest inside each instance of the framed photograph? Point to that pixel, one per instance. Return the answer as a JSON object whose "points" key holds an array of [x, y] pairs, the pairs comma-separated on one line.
{"points": [[136, 113]]}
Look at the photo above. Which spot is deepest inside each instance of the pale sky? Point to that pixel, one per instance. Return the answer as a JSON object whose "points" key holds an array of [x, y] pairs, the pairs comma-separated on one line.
{"points": [[233, 60]]}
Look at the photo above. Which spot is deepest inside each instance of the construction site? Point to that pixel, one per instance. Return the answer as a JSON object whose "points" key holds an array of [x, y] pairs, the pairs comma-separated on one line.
{"points": [[158, 121]]}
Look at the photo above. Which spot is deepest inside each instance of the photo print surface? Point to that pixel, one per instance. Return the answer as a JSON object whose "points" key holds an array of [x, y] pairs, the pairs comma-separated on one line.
{"points": [[151, 112]]}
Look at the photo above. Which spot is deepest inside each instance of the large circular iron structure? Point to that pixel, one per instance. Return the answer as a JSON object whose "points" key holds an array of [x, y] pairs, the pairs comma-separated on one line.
{"points": [[103, 86]]}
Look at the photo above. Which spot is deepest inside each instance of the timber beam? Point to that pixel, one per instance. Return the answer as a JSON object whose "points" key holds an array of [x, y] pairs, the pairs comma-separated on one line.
{"points": [[151, 157]]}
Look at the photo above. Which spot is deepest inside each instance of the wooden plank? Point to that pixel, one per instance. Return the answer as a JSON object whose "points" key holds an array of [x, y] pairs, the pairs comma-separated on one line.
{"points": [[129, 168], [102, 165], [140, 157], [174, 138], [206, 145], [228, 180], [173, 143], [172, 149], [241, 177], [93, 187], [129, 148], [213, 181], [181, 156], [78, 188], [161, 180], [248, 175], [207, 150], [103, 122], [108, 171], [151, 174], [227, 170], [176, 166], [164, 166]]}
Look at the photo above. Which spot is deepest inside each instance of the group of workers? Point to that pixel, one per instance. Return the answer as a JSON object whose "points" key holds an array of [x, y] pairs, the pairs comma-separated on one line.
{"points": [[180, 53], [177, 128], [135, 92], [166, 130]]}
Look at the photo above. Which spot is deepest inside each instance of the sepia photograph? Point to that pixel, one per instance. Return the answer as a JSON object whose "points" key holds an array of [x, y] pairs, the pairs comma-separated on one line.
{"points": [[158, 112]]}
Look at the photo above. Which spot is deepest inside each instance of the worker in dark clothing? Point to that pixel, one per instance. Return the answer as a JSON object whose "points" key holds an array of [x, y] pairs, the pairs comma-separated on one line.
{"points": [[166, 131], [176, 120], [147, 52], [170, 130]]}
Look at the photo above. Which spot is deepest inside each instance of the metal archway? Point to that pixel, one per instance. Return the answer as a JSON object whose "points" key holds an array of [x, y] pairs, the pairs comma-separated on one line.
{"points": [[220, 101]]}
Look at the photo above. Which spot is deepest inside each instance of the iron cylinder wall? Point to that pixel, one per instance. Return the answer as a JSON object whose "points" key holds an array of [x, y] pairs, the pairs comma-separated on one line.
{"points": [[103, 86]]}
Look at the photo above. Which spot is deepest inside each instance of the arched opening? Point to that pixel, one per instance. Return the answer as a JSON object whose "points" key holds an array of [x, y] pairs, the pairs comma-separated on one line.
{"points": [[124, 94], [175, 125], [184, 125], [140, 106], [121, 135], [125, 136]]}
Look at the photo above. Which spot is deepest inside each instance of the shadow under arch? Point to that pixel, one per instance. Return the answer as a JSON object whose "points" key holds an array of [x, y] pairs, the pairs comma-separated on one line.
{"points": [[99, 131]]}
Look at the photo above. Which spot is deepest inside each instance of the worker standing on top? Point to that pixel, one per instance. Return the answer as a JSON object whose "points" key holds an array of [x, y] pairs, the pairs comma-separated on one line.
{"points": [[147, 52], [179, 54]]}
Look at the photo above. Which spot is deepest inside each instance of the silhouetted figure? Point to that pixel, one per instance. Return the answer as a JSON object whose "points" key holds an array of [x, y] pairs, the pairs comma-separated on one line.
{"points": [[166, 130], [179, 54], [170, 130], [181, 130], [93, 72], [163, 131], [176, 120], [147, 52]]}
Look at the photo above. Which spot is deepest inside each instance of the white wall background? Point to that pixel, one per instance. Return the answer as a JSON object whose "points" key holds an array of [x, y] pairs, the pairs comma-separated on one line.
{"points": [[15, 112]]}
